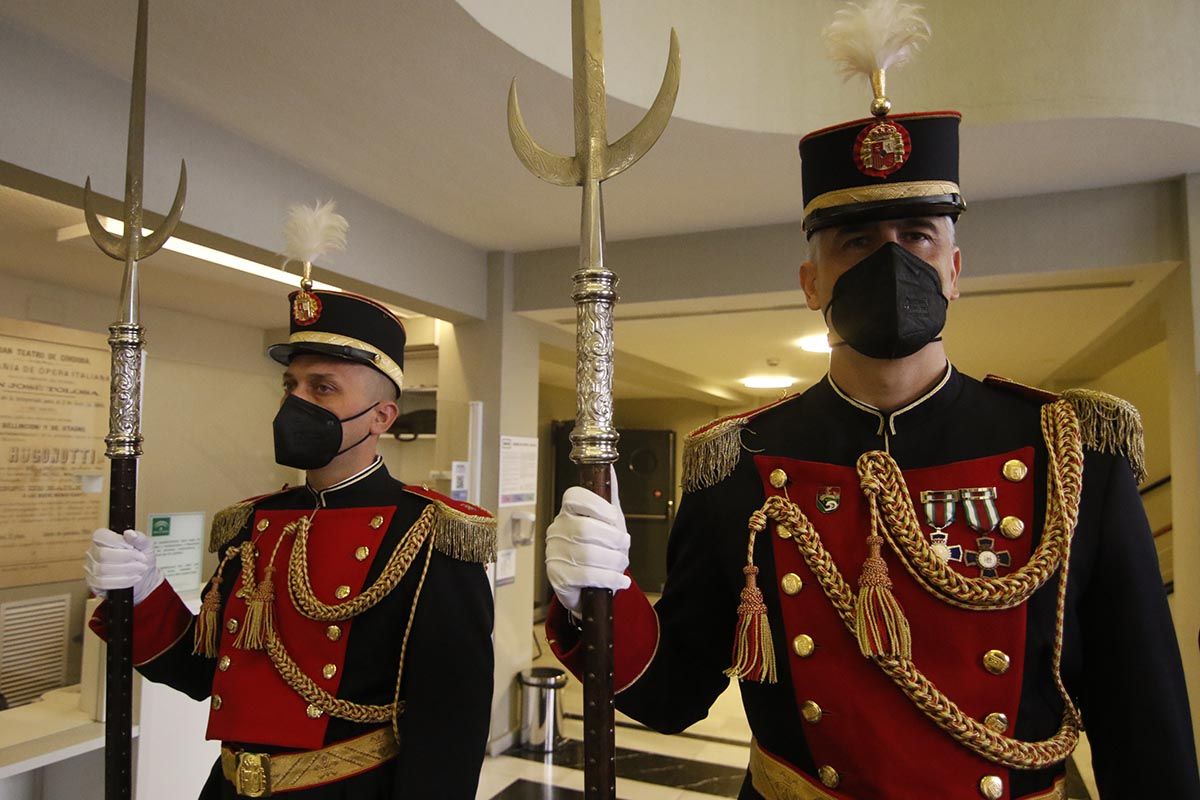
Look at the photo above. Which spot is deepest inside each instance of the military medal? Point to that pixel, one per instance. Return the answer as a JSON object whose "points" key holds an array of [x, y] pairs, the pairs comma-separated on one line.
{"points": [[938, 539], [828, 499], [987, 558], [991, 517]]}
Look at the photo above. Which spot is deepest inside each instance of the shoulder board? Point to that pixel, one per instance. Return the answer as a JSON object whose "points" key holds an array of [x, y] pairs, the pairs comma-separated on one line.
{"points": [[1107, 423], [711, 452], [460, 530], [228, 522]]}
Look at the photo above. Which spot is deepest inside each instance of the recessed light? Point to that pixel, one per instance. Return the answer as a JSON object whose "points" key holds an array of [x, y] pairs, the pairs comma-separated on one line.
{"points": [[817, 343], [767, 381]]}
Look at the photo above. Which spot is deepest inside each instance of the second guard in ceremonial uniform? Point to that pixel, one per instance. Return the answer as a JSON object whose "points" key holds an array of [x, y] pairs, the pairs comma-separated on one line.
{"points": [[344, 641], [931, 584]]}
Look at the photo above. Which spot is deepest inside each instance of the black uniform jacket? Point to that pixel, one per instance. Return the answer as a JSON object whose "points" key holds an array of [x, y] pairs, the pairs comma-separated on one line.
{"points": [[447, 669], [833, 716]]}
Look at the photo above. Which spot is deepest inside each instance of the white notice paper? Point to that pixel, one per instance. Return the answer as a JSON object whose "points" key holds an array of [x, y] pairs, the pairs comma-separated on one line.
{"points": [[179, 547], [518, 470]]}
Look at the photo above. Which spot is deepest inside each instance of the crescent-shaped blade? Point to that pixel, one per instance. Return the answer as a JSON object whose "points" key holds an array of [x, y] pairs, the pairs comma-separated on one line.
{"points": [[154, 242], [110, 244], [550, 167], [624, 153]]}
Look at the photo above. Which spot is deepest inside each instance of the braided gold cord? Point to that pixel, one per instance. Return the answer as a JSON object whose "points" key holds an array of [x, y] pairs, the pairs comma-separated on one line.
{"points": [[305, 687], [883, 484], [412, 615], [1060, 430], [307, 603]]}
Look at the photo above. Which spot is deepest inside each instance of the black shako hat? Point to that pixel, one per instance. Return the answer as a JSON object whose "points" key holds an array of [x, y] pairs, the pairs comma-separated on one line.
{"points": [[344, 325], [881, 168], [885, 166]]}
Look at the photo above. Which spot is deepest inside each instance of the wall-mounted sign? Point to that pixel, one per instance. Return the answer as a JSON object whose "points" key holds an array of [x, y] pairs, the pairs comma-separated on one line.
{"points": [[53, 418]]}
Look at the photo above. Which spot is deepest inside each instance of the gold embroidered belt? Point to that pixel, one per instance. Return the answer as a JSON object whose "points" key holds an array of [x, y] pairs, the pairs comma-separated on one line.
{"points": [[263, 774], [775, 779]]}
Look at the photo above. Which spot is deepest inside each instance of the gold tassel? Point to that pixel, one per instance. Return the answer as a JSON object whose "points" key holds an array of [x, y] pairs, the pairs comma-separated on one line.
{"points": [[879, 622], [259, 625], [753, 646], [208, 623], [208, 626]]}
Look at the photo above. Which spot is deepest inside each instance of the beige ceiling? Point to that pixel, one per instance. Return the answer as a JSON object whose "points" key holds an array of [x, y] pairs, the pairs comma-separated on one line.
{"points": [[404, 103]]}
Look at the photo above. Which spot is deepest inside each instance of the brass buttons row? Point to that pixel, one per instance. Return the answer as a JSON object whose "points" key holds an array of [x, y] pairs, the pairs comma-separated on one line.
{"points": [[224, 663], [333, 633], [329, 670], [1014, 470], [216, 702], [803, 645], [996, 662], [829, 776], [996, 721], [342, 592], [1011, 527], [313, 711], [811, 712], [991, 787], [778, 478], [791, 584], [376, 523]]}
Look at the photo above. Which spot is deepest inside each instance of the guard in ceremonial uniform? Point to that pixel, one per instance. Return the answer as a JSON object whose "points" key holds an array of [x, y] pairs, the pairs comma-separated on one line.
{"points": [[927, 585], [345, 639]]}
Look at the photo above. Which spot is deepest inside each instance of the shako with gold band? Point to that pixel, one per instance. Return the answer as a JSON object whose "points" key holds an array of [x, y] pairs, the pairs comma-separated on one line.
{"points": [[922, 602], [344, 640]]}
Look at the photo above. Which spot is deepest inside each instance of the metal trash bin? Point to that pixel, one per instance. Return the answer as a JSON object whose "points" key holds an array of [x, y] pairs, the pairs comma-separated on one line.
{"points": [[541, 708]]}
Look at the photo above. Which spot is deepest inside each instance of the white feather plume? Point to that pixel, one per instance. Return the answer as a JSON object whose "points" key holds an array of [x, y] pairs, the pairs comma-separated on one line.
{"points": [[875, 35], [312, 231]]}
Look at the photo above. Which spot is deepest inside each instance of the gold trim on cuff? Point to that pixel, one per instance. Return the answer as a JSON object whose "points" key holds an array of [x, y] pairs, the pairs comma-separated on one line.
{"points": [[383, 362], [886, 191]]}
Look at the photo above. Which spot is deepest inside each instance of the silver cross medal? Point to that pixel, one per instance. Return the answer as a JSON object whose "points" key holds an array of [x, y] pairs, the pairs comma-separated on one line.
{"points": [[938, 539]]}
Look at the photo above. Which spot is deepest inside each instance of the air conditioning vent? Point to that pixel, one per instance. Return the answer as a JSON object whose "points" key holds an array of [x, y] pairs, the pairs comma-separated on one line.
{"points": [[33, 647]]}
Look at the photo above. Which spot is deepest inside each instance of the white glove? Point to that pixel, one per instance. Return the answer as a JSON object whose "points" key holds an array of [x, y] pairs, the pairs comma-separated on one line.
{"points": [[587, 545], [121, 562]]}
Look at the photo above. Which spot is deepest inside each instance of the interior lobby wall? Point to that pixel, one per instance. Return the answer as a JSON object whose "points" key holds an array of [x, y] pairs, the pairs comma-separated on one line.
{"points": [[210, 396]]}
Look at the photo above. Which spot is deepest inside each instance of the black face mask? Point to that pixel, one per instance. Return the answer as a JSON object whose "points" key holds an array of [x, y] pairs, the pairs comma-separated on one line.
{"points": [[889, 305], [308, 436]]}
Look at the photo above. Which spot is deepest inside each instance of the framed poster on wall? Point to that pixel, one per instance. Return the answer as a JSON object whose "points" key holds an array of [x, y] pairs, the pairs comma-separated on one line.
{"points": [[53, 473]]}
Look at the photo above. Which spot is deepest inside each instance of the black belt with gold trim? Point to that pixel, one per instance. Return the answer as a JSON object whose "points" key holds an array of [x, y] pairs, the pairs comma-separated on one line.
{"points": [[263, 774], [775, 779]]}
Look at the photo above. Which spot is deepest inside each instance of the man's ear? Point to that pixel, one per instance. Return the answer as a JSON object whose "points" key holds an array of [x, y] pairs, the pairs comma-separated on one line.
{"points": [[384, 416], [957, 260], [808, 282]]}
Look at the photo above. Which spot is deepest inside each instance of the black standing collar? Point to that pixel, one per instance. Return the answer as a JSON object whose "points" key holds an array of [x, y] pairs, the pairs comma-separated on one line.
{"points": [[889, 424], [359, 489]]}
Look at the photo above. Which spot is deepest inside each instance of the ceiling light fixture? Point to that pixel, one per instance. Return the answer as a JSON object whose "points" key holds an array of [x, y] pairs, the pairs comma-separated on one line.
{"points": [[767, 381], [817, 343]]}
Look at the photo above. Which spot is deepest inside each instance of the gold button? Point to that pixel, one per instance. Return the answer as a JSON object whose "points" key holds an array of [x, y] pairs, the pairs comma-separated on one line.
{"points": [[996, 721], [231, 626], [791, 583], [783, 531], [811, 712], [342, 592], [1015, 471], [329, 670], [991, 787], [996, 662], [216, 702], [313, 711], [223, 664], [803, 645], [376, 522], [362, 553], [829, 776], [263, 524], [333, 633], [1012, 527], [778, 478]]}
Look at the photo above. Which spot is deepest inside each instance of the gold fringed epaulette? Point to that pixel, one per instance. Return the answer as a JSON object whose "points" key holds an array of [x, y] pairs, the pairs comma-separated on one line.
{"points": [[711, 452], [1108, 424], [228, 522], [460, 530]]}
